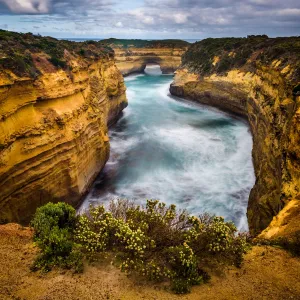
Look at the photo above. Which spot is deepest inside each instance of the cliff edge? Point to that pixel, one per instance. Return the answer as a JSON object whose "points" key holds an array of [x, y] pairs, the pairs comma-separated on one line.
{"points": [[257, 77], [56, 101]]}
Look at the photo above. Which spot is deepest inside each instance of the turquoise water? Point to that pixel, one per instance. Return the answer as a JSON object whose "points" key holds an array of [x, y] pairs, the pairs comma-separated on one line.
{"points": [[177, 151]]}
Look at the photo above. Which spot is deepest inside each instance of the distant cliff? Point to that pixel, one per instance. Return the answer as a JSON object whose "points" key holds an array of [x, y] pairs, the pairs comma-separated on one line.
{"points": [[56, 101], [257, 77], [133, 55]]}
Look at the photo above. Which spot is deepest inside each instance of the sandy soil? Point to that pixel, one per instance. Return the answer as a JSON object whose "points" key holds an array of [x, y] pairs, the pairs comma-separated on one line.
{"points": [[267, 273]]}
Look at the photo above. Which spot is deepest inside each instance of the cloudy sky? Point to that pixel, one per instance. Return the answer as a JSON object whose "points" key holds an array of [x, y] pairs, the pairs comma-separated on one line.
{"points": [[185, 19]]}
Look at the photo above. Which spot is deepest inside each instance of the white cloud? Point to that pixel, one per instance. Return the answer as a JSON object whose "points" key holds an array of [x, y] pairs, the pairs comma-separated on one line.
{"points": [[148, 20], [289, 12], [142, 17], [180, 18], [119, 24]]}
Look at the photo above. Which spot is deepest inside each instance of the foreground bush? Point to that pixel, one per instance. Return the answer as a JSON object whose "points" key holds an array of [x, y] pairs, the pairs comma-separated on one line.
{"points": [[53, 233], [155, 241]]}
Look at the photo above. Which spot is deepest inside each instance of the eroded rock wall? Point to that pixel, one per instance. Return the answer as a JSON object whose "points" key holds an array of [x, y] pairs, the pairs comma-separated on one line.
{"points": [[263, 90], [132, 56], [54, 131], [135, 60]]}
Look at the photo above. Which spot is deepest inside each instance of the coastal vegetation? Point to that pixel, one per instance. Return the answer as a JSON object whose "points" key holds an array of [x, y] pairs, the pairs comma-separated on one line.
{"points": [[127, 43], [221, 55], [157, 241], [18, 50]]}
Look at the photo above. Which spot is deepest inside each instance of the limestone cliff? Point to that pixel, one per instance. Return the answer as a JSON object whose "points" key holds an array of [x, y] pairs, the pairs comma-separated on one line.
{"points": [[133, 55], [56, 101], [257, 77]]}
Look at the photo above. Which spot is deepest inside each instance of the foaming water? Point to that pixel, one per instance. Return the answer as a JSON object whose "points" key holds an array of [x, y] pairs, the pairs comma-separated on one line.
{"points": [[179, 152]]}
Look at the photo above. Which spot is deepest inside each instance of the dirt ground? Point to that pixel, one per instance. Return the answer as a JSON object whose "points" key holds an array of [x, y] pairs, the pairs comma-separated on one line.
{"points": [[267, 273]]}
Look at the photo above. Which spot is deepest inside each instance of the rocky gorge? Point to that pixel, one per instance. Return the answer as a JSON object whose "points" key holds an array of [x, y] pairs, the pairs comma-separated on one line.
{"points": [[57, 99], [256, 77]]}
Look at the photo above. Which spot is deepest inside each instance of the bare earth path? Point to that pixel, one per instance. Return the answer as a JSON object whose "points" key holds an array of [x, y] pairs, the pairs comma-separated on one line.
{"points": [[267, 273]]}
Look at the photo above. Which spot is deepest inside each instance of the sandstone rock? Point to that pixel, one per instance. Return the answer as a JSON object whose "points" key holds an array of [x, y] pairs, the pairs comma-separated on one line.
{"points": [[261, 89], [132, 56], [53, 132]]}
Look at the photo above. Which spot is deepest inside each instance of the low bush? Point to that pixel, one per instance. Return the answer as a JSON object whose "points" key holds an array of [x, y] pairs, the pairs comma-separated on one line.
{"points": [[57, 62], [290, 243], [156, 241], [53, 233]]}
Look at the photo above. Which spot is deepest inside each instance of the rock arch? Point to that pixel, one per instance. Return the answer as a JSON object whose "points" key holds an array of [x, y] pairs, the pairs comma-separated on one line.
{"points": [[135, 60]]}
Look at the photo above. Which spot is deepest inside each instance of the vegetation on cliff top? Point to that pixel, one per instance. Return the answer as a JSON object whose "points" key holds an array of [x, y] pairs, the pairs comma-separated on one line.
{"points": [[223, 54], [17, 51], [156, 241], [123, 43]]}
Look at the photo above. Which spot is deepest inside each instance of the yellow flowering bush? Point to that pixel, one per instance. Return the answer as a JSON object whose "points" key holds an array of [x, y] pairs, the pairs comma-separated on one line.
{"points": [[212, 237], [94, 230], [220, 234], [157, 241], [185, 266], [134, 241]]}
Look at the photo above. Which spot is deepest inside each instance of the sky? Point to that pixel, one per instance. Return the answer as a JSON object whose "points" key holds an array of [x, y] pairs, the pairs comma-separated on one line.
{"points": [[151, 19]]}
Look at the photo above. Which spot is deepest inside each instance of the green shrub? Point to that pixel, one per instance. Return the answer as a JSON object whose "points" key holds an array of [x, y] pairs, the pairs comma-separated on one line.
{"points": [[185, 266], [81, 52], [53, 226], [57, 62]]}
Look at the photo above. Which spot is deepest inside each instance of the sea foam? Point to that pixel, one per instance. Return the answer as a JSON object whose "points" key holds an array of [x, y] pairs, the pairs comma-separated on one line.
{"points": [[177, 151]]}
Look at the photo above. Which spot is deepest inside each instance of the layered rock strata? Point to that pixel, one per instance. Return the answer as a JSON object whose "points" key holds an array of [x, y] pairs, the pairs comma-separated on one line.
{"points": [[54, 116], [133, 55], [258, 78]]}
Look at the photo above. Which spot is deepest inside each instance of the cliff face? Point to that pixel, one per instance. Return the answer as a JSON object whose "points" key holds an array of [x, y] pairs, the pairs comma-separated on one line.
{"points": [[54, 113], [133, 55], [257, 78]]}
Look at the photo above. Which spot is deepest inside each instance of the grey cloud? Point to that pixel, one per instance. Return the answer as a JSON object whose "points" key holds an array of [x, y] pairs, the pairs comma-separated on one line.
{"points": [[206, 17], [52, 6], [26, 6], [233, 17]]}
